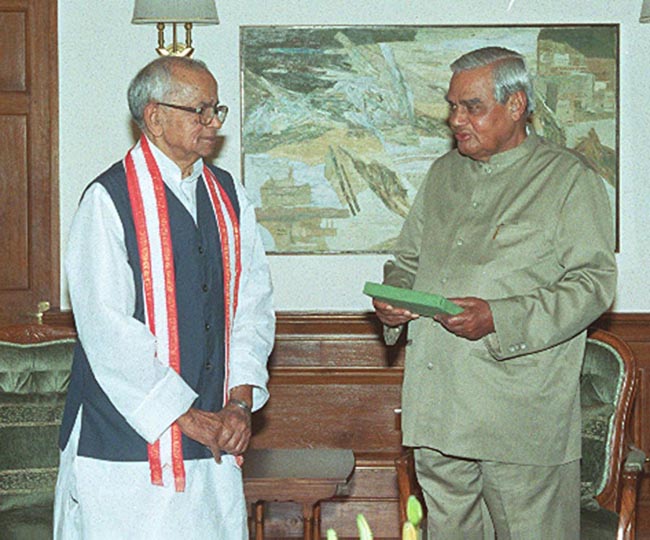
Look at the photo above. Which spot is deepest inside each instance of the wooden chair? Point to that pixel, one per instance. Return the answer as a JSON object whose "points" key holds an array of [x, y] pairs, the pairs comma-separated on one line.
{"points": [[306, 476], [611, 467]]}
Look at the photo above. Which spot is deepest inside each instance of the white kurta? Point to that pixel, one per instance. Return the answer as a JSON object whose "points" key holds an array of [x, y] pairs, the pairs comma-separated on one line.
{"points": [[114, 500]]}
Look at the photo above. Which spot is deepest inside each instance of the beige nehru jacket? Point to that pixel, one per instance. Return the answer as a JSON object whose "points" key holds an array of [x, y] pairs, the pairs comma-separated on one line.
{"points": [[531, 232]]}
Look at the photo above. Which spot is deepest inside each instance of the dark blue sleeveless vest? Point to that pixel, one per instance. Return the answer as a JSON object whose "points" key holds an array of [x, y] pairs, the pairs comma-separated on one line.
{"points": [[105, 434]]}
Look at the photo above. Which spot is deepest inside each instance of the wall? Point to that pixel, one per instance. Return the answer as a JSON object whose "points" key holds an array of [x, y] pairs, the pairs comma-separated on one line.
{"points": [[100, 50]]}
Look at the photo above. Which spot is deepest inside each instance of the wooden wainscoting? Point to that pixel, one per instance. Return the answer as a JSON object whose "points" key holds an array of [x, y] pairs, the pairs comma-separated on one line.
{"points": [[334, 384]]}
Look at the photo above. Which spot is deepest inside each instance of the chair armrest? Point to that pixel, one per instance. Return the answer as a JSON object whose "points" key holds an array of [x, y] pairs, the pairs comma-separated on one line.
{"points": [[632, 472]]}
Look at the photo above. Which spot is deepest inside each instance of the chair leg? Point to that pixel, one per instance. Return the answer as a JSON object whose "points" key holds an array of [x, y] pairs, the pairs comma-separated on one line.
{"points": [[259, 520], [316, 530], [307, 521]]}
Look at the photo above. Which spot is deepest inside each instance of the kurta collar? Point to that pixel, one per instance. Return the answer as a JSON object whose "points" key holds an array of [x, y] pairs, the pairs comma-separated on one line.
{"points": [[183, 188], [509, 157], [171, 173]]}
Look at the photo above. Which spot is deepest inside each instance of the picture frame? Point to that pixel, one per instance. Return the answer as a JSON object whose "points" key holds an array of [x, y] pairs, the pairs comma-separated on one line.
{"points": [[341, 123]]}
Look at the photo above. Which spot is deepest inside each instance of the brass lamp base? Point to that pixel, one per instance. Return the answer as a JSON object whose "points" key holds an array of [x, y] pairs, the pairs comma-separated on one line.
{"points": [[182, 50], [176, 48]]}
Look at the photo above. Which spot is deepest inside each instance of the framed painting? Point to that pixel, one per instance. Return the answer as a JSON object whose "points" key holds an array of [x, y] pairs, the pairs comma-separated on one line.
{"points": [[340, 124]]}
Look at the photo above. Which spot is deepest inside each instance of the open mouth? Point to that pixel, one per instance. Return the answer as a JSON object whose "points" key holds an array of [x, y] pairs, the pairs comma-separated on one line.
{"points": [[462, 136]]}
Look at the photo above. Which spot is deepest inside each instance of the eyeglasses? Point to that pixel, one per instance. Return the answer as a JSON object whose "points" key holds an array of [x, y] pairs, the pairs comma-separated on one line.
{"points": [[206, 113]]}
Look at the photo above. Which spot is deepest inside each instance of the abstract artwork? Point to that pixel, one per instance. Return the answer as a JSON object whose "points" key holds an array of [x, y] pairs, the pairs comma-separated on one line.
{"points": [[340, 124]]}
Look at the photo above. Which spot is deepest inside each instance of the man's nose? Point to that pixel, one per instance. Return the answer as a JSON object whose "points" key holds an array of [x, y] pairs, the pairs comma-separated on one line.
{"points": [[457, 117]]}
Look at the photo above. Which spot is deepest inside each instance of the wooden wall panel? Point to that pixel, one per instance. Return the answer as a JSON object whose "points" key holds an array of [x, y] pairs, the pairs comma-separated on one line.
{"points": [[12, 52], [323, 409], [14, 211], [373, 492]]}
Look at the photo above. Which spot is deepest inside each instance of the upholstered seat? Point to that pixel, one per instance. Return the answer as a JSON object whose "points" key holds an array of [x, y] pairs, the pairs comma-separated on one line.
{"points": [[34, 373], [610, 467]]}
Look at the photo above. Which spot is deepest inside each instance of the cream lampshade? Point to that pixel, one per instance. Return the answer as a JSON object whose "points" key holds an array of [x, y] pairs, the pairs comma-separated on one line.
{"points": [[185, 12]]}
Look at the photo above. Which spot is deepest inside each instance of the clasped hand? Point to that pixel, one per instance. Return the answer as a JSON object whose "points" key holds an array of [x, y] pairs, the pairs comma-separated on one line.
{"points": [[228, 430]]}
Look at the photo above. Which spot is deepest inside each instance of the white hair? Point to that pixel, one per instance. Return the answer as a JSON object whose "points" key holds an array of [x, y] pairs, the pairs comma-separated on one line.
{"points": [[509, 73], [155, 82]]}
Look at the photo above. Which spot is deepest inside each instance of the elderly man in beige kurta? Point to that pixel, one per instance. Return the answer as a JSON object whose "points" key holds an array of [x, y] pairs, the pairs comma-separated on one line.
{"points": [[518, 232]]}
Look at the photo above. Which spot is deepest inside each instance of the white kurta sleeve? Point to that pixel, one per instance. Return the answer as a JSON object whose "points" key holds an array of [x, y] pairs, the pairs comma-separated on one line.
{"points": [[254, 324], [120, 349]]}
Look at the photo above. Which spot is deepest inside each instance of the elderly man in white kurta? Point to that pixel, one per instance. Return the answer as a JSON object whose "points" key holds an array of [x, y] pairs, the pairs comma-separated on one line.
{"points": [[171, 294]]}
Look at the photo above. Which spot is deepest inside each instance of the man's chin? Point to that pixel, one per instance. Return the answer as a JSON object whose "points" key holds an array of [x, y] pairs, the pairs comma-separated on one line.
{"points": [[465, 150], [208, 148]]}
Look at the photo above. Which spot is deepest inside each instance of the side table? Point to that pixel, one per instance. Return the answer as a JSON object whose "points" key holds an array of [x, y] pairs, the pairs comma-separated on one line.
{"points": [[304, 476]]}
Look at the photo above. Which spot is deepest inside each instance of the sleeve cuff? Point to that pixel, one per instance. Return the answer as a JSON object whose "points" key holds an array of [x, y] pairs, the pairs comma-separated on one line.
{"points": [[169, 398], [508, 339], [492, 345], [249, 371]]}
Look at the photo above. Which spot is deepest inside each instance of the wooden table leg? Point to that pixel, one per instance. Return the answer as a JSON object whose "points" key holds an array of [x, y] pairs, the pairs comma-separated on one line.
{"points": [[307, 521], [259, 520], [316, 533]]}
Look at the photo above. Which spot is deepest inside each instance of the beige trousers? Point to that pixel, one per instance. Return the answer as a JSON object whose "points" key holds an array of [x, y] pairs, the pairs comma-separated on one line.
{"points": [[525, 502]]}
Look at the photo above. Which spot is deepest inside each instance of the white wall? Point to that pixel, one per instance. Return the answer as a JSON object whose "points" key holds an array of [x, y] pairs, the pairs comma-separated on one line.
{"points": [[100, 50]]}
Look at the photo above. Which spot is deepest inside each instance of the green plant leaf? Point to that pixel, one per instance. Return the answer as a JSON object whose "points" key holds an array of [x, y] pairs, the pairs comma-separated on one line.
{"points": [[409, 532], [414, 510], [331, 535], [364, 529]]}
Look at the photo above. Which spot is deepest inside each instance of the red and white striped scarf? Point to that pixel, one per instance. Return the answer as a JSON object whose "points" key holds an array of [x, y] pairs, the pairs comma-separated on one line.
{"points": [[152, 228]]}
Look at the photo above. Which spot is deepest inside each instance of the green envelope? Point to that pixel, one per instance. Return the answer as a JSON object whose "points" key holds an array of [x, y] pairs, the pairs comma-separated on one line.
{"points": [[425, 304]]}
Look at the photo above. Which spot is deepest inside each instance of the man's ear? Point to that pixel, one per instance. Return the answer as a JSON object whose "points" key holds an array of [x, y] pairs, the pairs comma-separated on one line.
{"points": [[517, 104], [152, 119]]}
